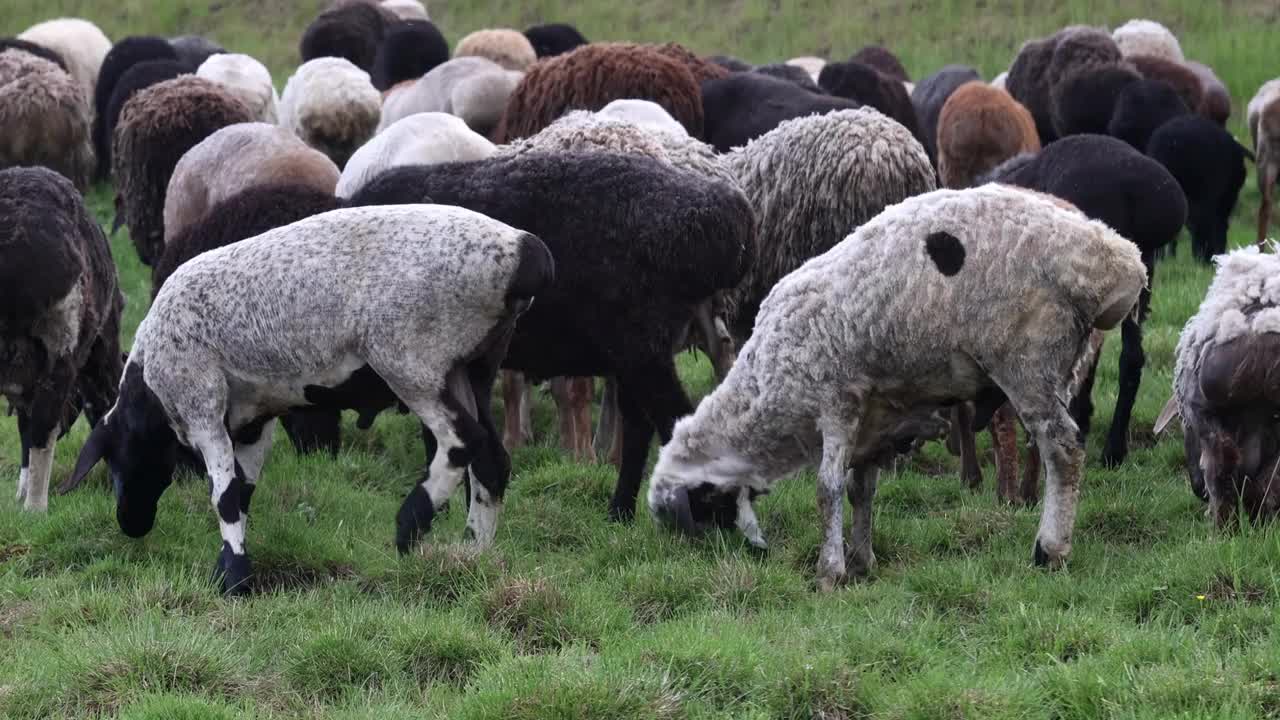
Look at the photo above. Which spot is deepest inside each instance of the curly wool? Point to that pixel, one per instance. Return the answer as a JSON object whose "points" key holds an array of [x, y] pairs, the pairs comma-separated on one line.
{"points": [[332, 105], [591, 77], [1142, 107], [509, 48], [701, 68], [246, 79], [157, 127], [410, 50], [235, 158], [1147, 37], [812, 181], [868, 86], [1042, 64], [351, 31], [471, 88], [1085, 100], [137, 78], [46, 118], [81, 44], [1243, 299], [421, 139], [123, 55], [931, 94], [553, 39], [979, 128]]}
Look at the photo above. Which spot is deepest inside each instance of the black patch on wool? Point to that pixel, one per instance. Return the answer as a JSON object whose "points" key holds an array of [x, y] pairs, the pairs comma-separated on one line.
{"points": [[946, 251]]}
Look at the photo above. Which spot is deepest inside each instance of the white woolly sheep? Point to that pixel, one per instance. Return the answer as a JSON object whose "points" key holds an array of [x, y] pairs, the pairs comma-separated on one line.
{"points": [[46, 118], [1147, 37], [235, 158], [407, 9], [418, 305], [422, 139], [1264, 127], [855, 354], [644, 114], [473, 88], [509, 48], [332, 105], [1226, 389], [810, 64], [246, 79], [82, 45]]}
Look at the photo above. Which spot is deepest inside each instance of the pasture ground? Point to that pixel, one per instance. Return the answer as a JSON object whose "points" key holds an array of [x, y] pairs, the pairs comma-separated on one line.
{"points": [[569, 616]]}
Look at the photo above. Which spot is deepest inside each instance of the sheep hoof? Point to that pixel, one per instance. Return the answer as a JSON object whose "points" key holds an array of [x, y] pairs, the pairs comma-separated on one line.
{"points": [[232, 572], [829, 583], [621, 513], [414, 519], [1114, 455]]}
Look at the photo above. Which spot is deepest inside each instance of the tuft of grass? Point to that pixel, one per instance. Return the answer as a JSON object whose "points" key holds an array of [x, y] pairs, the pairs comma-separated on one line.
{"points": [[335, 663]]}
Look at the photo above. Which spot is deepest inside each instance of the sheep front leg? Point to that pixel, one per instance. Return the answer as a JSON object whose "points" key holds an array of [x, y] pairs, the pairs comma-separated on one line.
{"points": [[24, 437], [1055, 436], [831, 490], [970, 471], [226, 482], [251, 450], [445, 472], [1132, 359], [862, 491], [606, 444], [490, 466], [1004, 435], [37, 466]]}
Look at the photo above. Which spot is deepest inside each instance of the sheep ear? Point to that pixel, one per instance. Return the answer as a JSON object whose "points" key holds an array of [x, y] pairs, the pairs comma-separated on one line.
{"points": [[95, 449], [1167, 415]]}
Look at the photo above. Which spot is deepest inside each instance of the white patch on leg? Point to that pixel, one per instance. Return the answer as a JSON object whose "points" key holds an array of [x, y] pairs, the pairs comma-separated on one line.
{"points": [[482, 519], [747, 522], [220, 462], [40, 467], [253, 456], [22, 484]]}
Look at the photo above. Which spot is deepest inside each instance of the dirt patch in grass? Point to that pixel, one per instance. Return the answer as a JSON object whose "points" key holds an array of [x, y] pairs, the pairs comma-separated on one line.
{"points": [[13, 552], [1227, 588]]}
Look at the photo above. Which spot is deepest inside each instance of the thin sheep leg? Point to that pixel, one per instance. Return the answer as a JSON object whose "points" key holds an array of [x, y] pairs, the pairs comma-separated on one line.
{"points": [[582, 391], [860, 556], [514, 407], [970, 471], [1055, 436], [225, 483], [1267, 171], [24, 437], [832, 475], [605, 443], [38, 472], [443, 475], [1132, 360], [1004, 435], [251, 456]]}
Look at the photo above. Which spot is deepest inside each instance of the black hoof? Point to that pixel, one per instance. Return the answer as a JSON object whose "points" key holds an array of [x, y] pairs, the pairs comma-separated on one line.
{"points": [[414, 519], [1040, 556], [622, 513], [1112, 457], [232, 572]]}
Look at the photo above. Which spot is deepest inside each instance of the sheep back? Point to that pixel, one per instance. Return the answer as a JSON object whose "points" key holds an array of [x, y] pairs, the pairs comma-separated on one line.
{"points": [[745, 106], [137, 78], [246, 79], [194, 49], [868, 86], [882, 59], [472, 88], [45, 114], [509, 48], [332, 105], [1147, 37], [979, 128], [79, 42], [1085, 100], [551, 39], [421, 139], [931, 94], [1181, 78], [1216, 101], [791, 73], [410, 50], [1142, 107], [351, 31]]}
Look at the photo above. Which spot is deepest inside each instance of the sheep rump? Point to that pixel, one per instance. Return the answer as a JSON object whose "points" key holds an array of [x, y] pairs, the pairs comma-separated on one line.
{"points": [[46, 118]]}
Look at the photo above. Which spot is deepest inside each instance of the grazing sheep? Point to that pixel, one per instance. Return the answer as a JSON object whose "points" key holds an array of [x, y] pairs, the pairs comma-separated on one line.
{"points": [[791, 73], [1215, 102], [1142, 107], [1115, 184], [643, 114], [447, 285], [867, 86], [472, 88], [624, 289], [1084, 101], [410, 50], [332, 106], [848, 367], [554, 39], [351, 31], [1263, 115], [123, 55], [59, 318], [590, 77], [1147, 37], [39, 51], [406, 9], [137, 78], [194, 49], [1210, 166], [930, 95], [81, 45], [1225, 384], [745, 106], [422, 139], [509, 48], [1041, 64], [1180, 77], [702, 69], [810, 64], [884, 60], [157, 127], [246, 79], [45, 116], [235, 158], [811, 181], [979, 128]]}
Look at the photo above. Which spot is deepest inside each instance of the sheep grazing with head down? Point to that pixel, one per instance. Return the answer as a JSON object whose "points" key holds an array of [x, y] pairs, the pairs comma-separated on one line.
{"points": [[1180, 77], [1215, 102], [592, 76], [1225, 382], [1142, 107], [351, 31], [1042, 64], [509, 48], [157, 127], [194, 50], [419, 303], [1084, 101], [410, 50], [332, 105], [46, 118], [553, 39], [931, 94], [80, 43], [471, 88], [137, 78], [123, 55], [421, 139], [1263, 116], [868, 86], [246, 79], [745, 106], [624, 290], [848, 366], [235, 158], [59, 318], [1147, 37], [1209, 164], [979, 128]]}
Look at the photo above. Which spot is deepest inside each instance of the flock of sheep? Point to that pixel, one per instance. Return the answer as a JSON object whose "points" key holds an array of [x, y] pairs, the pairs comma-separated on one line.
{"points": [[566, 210]]}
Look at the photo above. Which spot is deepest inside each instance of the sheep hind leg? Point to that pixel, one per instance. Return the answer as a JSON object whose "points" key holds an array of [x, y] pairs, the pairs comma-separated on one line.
{"points": [[582, 391], [970, 471], [24, 471], [490, 467], [1054, 433], [651, 400], [832, 477], [1132, 359], [251, 448], [38, 469], [637, 434], [1267, 172], [515, 406], [1004, 434], [606, 444], [859, 556]]}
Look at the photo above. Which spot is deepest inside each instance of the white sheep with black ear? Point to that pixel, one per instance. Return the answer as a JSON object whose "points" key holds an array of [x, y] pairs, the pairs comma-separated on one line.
{"points": [[940, 298], [59, 317], [411, 304]]}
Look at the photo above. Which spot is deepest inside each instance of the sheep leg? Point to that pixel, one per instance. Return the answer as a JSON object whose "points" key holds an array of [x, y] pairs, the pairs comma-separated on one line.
{"points": [[605, 444], [561, 393], [514, 407], [747, 522], [490, 464], [716, 336], [1030, 491], [38, 466], [651, 400], [1081, 405], [24, 437], [970, 471], [314, 429], [1004, 434], [1054, 433], [1267, 172], [637, 434], [226, 482], [1131, 361], [860, 557], [832, 476], [582, 391], [98, 381], [251, 448]]}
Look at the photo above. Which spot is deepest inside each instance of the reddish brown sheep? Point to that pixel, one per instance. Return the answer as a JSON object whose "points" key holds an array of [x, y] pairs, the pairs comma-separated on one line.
{"points": [[980, 127], [701, 68], [1182, 78]]}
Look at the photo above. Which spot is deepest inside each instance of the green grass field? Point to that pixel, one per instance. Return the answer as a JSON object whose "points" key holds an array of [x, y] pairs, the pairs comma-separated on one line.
{"points": [[1156, 616]]}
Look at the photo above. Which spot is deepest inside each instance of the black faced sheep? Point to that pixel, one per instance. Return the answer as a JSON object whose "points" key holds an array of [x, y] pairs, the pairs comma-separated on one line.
{"points": [[420, 139], [1085, 100], [448, 285], [848, 368], [80, 43], [979, 128], [246, 79], [745, 106], [1142, 107], [868, 86], [194, 49], [928, 97], [332, 106], [1227, 387], [1264, 127], [410, 49], [625, 288], [351, 31], [882, 59], [137, 78], [509, 48], [590, 77], [123, 55], [554, 39], [59, 317], [45, 116], [157, 127], [1210, 166], [471, 88]]}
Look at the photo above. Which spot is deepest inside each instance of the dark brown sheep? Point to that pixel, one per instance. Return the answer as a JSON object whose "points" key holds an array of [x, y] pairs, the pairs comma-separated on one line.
{"points": [[1180, 77], [980, 127], [882, 59]]}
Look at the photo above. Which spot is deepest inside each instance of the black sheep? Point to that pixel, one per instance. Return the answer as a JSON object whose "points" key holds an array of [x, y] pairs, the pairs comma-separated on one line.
{"points": [[11, 43], [629, 270], [745, 106], [1084, 101], [1142, 107], [928, 97], [123, 55], [554, 39], [1111, 182], [352, 31], [1210, 166], [792, 73], [409, 50], [60, 310], [731, 63], [882, 59], [866, 85]]}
